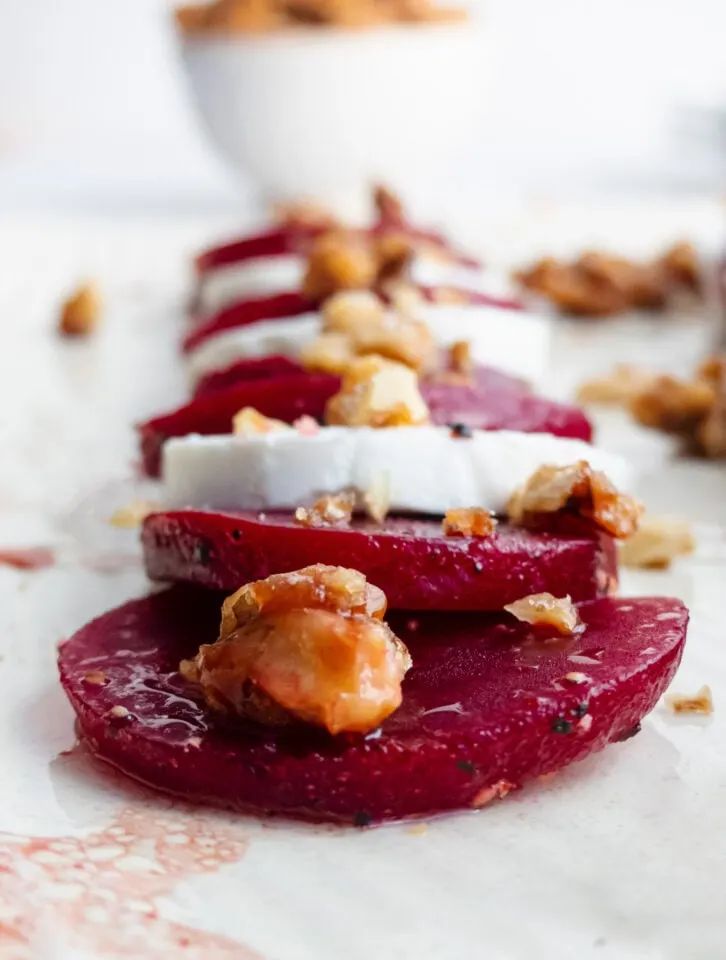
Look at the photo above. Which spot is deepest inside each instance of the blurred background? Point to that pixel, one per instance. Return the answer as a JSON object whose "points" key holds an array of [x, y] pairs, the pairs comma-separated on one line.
{"points": [[569, 99]]}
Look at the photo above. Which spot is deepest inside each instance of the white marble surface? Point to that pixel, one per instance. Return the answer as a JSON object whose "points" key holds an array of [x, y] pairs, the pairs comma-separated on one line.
{"points": [[618, 857]]}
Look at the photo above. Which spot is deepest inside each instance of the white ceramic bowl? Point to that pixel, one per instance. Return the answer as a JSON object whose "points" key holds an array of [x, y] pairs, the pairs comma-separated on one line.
{"points": [[319, 113]]}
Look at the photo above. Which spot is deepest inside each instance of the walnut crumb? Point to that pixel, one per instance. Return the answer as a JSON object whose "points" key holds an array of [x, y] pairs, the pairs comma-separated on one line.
{"points": [[96, 677], [578, 489], [699, 702], [132, 515], [617, 388], [81, 312], [497, 791], [377, 498], [469, 522], [545, 610], [656, 543], [249, 422], [330, 510]]}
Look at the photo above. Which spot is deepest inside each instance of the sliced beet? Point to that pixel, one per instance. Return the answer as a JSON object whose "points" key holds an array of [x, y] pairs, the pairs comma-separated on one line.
{"points": [[277, 241], [495, 401], [418, 567], [486, 707], [242, 371], [285, 398], [241, 314]]}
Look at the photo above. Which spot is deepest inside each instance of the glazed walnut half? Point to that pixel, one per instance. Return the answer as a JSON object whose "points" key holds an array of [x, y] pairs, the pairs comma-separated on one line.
{"points": [[309, 645]]}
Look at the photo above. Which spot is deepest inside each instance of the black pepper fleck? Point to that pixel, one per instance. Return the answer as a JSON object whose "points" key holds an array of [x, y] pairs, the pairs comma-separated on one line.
{"points": [[460, 430], [466, 765], [202, 553], [560, 725], [362, 819], [236, 534]]}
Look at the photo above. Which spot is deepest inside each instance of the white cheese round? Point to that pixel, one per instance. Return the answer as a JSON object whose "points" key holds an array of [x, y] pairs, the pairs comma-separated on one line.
{"points": [[425, 469]]}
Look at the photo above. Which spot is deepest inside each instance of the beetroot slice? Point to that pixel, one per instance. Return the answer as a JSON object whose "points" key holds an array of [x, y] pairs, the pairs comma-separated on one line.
{"points": [[270, 243], [245, 312], [418, 567], [242, 371], [485, 708], [284, 398], [495, 401]]}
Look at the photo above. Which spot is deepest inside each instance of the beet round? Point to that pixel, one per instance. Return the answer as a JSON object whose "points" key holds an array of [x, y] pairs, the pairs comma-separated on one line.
{"points": [[486, 707], [418, 567]]}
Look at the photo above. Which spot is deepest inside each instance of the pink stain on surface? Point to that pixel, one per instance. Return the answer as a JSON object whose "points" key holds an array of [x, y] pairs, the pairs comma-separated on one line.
{"points": [[27, 558], [101, 892]]}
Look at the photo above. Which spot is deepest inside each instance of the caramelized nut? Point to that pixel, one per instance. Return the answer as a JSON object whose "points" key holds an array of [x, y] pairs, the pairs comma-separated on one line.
{"points": [[249, 422], [81, 312], [377, 392], [330, 510], [700, 702], [469, 522], [544, 610], [657, 542], [577, 489], [309, 645]]}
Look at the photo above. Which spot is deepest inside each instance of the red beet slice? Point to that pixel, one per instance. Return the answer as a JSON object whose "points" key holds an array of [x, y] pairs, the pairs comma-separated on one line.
{"points": [[418, 567], [242, 371], [241, 314], [495, 401], [485, 708], [284, 398], [271, 243]]}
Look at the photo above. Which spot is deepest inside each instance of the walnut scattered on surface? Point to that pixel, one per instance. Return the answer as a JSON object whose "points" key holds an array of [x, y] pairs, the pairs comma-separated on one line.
{"points": [[578, 489], [673, 405], [617, 388], [600, 284], [469, 522], [376, 392], [81, 312], [249, 422], [308, 645], [545, 610], [700, 702], [330, 510], [656, 543]]}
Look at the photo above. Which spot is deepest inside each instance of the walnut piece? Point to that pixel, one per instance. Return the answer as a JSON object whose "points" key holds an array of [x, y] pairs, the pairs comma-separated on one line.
{"points": [[249, 422], [544, 610], [601, 284], [617, 388], [656, 543], [699, 702], [330, 510], [308, 645], [578, 489], [469, 522], [133, 514], [328, 353], [81, 312], [376, 392], [347, 310], [377, 498], [673, 405], [349, 260]]}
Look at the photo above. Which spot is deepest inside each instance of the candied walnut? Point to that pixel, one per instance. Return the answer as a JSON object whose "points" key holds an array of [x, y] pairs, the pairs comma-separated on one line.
{"points": [[330, 353], [330, 510], [308, 645], [377, 498], [469, 522], [376, 392], [571, 289], [81, 312], [656, 543], [710, 435], [579, 489], [339, 261], [713, 370], [249, 422], [394, 254], [681, 265], [699, 702], [640, 285], [405, 299], [618, 388], [544, 610], [673, 405], [132, 515], [348, 310], [398, 338], [460, 358]]}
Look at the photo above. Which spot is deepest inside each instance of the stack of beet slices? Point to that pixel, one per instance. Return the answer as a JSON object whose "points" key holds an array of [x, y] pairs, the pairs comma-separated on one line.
{"points": [[489, 703]]}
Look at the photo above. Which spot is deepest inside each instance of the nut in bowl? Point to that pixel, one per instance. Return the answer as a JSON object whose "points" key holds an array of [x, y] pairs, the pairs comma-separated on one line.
{"points": [[320, 110]]}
